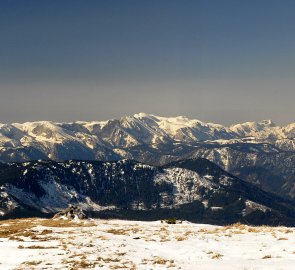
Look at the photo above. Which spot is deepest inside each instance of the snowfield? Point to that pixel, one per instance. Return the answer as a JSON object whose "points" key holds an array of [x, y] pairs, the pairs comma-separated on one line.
{"points": [[117, 244]]}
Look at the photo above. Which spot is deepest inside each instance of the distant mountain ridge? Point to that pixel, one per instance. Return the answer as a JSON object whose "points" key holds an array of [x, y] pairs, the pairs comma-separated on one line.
{"points": [[111, 139], [259, 152]]}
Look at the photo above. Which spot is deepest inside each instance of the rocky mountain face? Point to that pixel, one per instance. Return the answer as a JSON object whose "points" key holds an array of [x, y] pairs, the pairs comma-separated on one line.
{"points": [[194, 189], [272, 171], [261, 153]]}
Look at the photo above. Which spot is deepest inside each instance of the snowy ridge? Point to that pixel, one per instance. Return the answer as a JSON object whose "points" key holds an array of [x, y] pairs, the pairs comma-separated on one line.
{"points": [[114, 139]]}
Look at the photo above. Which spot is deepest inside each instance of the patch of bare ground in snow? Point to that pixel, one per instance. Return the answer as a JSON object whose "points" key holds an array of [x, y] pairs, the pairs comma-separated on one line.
{"points": [[116, 244]]}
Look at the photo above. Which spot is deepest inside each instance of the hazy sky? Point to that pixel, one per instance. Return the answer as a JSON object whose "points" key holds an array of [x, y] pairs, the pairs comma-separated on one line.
{"points": [[221, 61]]}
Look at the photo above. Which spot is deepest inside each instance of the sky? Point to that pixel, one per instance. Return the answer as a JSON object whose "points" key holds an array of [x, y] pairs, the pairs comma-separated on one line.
{"points": [[224, 61]]}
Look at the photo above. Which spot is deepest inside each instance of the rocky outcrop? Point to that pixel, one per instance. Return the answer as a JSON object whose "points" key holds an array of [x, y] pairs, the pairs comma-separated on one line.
{"points": [[72, 212]]}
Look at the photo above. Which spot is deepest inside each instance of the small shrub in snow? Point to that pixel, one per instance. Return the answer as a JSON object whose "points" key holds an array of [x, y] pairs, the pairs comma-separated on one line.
{"points": [[171, 221]]}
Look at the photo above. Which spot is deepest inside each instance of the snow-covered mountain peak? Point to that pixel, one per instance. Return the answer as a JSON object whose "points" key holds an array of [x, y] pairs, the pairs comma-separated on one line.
{"points": [[290, 126], [268, 122], [177, 119], [91, 126], [168, 125], [27, 126], [43, 131], [135, 137], [142, 115], [254, 128]]}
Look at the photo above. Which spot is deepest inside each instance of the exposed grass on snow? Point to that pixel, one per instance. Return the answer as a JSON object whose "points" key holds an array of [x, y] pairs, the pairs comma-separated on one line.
{"points": [[114, 244], [16, 227], [216, 256], [267, 257]]}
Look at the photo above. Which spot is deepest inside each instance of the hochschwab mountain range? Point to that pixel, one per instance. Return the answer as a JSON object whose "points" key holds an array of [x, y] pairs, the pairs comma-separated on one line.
{"points": [[150, 163]]}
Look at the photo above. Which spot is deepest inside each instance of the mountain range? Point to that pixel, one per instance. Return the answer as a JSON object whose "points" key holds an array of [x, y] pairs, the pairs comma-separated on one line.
{"points": [[193, 189], [261, 153]]}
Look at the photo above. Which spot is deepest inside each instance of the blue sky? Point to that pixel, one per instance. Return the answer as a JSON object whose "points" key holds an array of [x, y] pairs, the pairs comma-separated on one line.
{"points": [[221, 61]]}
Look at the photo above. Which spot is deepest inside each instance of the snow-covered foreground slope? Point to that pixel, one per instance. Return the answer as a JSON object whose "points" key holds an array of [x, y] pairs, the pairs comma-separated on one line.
{"points": [[116, 244]]}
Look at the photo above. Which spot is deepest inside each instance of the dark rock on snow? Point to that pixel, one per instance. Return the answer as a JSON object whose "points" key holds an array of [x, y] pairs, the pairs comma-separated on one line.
{"points": [[72, 212]]}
